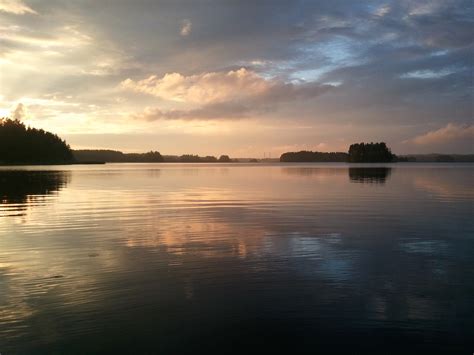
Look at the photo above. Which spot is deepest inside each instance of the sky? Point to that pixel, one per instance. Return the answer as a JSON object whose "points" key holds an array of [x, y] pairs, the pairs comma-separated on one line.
{"points": [[243, 78]]}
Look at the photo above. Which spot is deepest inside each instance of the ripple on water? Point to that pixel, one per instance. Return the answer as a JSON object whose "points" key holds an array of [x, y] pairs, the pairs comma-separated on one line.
{"points": [[95, 258]]}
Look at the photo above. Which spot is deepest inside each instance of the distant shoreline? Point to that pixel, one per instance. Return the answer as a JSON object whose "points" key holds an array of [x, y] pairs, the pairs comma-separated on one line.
{"points": [[247, 162], [21, 145]]}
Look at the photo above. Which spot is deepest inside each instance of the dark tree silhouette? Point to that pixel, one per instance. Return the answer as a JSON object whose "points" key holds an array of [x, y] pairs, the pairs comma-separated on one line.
{"points": [[113, 156], [224, 159], [358, 153], [370, 153], [99, 155], [313, 157], [24, 145], [210, 159], [444, 158], [190, 158], [437, 158], [150, 157]]}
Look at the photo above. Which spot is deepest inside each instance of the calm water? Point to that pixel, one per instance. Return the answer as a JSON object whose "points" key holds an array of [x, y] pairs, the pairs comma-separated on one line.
{"points": [[143, 258]]}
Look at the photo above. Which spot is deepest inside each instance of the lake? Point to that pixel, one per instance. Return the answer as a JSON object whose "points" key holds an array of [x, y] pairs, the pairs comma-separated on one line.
{"points": [[190, 258]]}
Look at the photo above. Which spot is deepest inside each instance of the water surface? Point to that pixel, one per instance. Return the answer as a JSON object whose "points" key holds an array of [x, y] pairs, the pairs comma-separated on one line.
{"points": [[171, 258]]}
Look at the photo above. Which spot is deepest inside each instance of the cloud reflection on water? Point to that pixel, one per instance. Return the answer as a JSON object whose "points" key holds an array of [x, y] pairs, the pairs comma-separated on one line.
{"points": [[186, 244]]}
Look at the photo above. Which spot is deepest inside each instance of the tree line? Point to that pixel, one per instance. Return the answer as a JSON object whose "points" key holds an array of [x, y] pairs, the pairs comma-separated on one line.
{"points": [[358, 153], [308, 156], [25, 145], [114, 156]]}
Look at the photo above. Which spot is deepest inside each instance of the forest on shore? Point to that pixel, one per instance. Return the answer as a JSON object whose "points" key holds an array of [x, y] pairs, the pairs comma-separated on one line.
{"points": [[115, 156], [25, 145], [372, 153], [358, 153], [21, 145]]}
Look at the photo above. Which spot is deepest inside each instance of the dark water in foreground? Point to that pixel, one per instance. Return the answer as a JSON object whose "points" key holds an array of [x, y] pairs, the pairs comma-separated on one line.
{"points": [[218, 258]]}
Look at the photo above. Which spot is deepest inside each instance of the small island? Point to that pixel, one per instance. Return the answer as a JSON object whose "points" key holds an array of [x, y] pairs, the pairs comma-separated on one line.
{"points": [[358, 153], [370, 153]]}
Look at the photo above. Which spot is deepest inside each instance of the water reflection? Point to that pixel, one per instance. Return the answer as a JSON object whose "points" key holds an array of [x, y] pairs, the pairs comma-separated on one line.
{"points": [[314, 171], [260, 257], [375, 175], [447, 186], [19, 188]]}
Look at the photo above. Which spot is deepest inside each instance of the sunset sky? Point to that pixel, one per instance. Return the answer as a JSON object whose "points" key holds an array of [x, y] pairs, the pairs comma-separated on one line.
{"points": [[242, 78]]}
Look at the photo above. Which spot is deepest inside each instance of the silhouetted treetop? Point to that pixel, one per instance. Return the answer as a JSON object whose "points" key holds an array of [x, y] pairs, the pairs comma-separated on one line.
{"points": [[149, 157], [370, 153], [25, 145], [114, 156], [224, 159]]}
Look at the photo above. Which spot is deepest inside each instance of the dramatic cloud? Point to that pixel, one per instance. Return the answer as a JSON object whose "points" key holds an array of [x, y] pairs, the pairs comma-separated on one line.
{"points": [[232, 94], [186, 28], [451, 133], [15, 7], [370, 70], [203, 88]]}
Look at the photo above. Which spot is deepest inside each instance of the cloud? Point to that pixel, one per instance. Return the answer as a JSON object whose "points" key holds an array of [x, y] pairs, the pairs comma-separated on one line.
{"points": [[186, 27], [382, 10], [19, 113], [207, 112], [16, 7], [448, 134], [202, 88], [220, 87], [232, 94], [400, 64], [427, 74]]}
